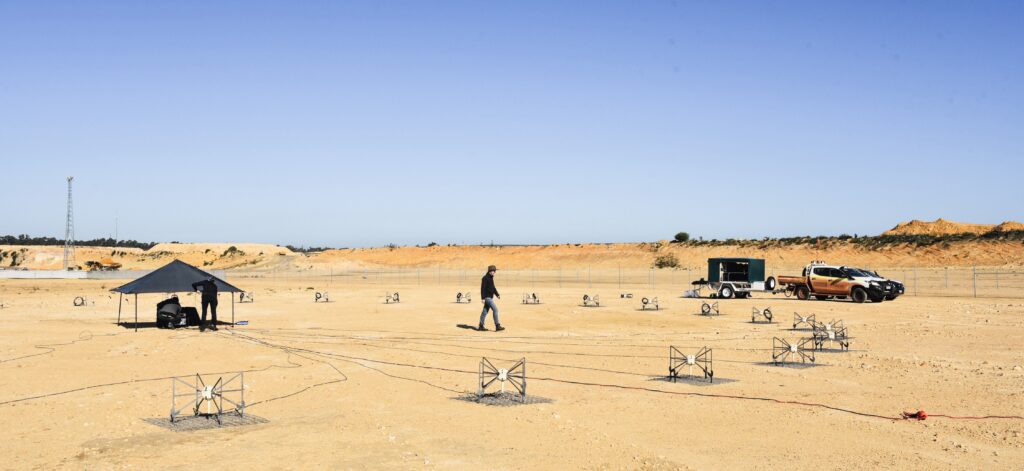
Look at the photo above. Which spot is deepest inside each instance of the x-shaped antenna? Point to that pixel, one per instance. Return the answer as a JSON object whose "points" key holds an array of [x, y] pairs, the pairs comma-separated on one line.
{"points": [[516, 376], [530, 298], [830, 325], [801, 320], [212, 395], [703, 360], [757, 313], [209, 395], [391, 298], [650, 302], [709, 309], [588, 300], [831, 332], [782, 349]]}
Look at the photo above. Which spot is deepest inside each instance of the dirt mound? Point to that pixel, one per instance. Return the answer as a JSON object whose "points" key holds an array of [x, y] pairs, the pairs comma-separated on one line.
{"points": [[939, 227], [219, 248], [1009, 226]]}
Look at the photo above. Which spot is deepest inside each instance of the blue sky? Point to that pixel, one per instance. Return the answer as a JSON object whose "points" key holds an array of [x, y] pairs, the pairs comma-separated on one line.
{"points": [[368, 123]]}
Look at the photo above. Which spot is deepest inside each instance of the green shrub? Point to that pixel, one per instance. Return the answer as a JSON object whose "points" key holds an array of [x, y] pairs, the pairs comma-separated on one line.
{"points": [[666, 261]]}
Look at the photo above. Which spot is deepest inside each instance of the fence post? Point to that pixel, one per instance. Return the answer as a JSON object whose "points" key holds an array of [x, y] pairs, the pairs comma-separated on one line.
{"points": [[997, 280], [620, 276], [946, 273], [974, 269], [589, 283], [915, 281]]}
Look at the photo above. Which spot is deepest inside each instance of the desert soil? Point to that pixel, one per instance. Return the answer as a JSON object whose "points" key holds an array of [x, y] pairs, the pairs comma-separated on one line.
{"points": [[358, 384]]}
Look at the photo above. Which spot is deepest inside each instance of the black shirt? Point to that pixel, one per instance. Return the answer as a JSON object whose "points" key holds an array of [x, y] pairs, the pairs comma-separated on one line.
{"points": [[487, 289], [209, 289]]}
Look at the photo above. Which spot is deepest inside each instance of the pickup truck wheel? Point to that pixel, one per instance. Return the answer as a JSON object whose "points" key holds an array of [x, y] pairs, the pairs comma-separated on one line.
{"points": [[877, 299], [726, 292], [802, 293], [859, 295]]}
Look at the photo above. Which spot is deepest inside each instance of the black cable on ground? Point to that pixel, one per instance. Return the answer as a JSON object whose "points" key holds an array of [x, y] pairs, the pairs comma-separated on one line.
{"points": [[130, 381], [640, 389], [520, 352], [83, 336], [462, 355]]}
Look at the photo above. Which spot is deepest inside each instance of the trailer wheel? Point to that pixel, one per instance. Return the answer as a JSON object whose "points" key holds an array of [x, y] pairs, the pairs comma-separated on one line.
{"points": [[859, 295], [769, 284], [802, 293], [726, 292]]}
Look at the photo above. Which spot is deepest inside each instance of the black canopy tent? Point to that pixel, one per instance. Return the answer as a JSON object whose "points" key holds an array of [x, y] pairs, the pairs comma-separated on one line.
{"points": [[175, 277]]}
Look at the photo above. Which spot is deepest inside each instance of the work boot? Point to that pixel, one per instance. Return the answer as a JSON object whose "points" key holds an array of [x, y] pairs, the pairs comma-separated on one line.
{"points": [[481, 328], [213, 327], [202, 327], [498, 328]]}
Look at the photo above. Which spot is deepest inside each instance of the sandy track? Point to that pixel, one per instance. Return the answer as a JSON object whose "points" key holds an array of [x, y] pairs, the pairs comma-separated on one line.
{"points": [[368, 405]]}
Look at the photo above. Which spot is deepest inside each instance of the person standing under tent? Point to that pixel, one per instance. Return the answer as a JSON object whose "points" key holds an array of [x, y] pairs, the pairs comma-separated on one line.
{"points": [[209, 289], [487, 294]]}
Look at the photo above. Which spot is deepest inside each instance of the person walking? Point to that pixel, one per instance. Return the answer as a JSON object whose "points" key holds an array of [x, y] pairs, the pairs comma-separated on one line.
{"points": [[209, 289], [487, 294]]}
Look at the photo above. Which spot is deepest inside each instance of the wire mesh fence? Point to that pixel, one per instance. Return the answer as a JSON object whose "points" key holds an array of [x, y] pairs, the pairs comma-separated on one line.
{"points": [[952, 281]]}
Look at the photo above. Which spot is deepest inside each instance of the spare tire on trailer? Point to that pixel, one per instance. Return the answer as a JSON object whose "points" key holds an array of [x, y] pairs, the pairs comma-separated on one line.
{"points": [[769, 284], [802, 293]]}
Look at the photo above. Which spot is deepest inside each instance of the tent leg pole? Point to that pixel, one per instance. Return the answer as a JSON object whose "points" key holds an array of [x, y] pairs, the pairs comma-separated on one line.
{"points": [[136, 312], [120, 298], [232, 310]]}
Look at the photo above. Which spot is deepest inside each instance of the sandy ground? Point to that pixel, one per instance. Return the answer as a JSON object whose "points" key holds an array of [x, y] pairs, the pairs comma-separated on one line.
{"points": [[357, 384]]}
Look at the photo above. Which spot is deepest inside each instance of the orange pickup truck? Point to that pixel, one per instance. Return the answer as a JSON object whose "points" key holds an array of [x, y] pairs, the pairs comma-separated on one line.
{"points": [[834, 282]]}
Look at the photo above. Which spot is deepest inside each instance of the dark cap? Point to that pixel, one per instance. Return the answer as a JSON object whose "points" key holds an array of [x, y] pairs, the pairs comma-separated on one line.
{"points": [[492, 268]]}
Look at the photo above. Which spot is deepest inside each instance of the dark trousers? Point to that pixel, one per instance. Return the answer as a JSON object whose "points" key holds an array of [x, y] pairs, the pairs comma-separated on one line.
{"points": [[213, 311]]}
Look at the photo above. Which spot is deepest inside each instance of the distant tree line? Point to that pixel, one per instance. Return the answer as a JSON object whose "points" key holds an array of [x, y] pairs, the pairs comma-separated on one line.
{"points": [[25, 239], [920, 240]]}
